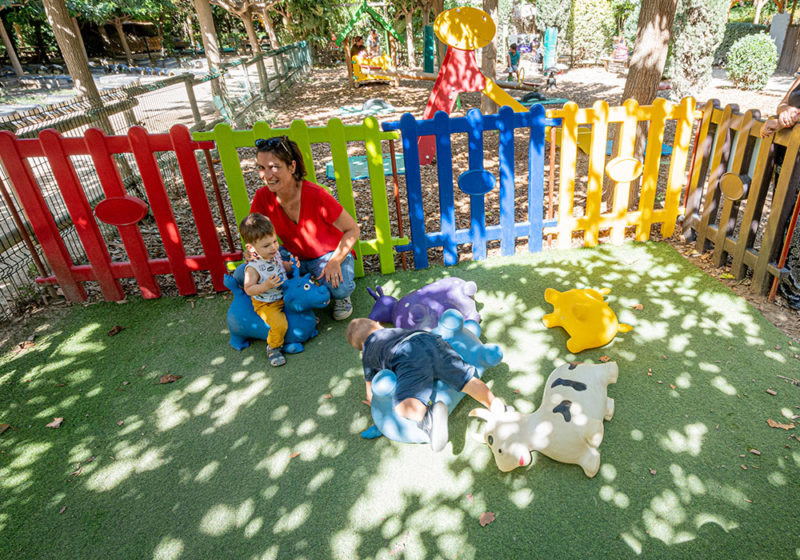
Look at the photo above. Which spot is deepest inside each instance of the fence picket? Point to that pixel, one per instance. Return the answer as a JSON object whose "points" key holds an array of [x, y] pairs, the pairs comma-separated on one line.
{"points": [[162, 209], [677, 165], [597, 163], [416, 211], [566, 191], [380, 203], [477, 203], [184, 149], [505, 124], [652, 163], [719, 164], [444, 169], [536, 178]]}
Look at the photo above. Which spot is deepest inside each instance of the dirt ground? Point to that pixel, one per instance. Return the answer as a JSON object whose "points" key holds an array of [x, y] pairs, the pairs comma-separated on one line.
{"points": [[319, 97]]}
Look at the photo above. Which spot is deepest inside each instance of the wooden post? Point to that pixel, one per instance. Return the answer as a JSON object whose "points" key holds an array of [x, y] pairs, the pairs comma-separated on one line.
{"points": [[348, 63]]}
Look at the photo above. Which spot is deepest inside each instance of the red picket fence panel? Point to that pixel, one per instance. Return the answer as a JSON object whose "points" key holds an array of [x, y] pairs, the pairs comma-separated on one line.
{"points": [[118, 209]]}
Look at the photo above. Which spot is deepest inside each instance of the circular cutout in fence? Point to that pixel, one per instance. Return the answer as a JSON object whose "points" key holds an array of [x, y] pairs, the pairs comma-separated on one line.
{"points": [[121, 210], [624, 169], [734, 186], [476, 182]]}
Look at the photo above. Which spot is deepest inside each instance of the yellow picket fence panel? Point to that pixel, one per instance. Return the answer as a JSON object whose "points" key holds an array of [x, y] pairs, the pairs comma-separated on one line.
{"points": [[623, 169]]}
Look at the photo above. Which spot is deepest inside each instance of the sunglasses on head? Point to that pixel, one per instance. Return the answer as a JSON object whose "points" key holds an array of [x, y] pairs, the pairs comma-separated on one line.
{"points": [[273, 143]]}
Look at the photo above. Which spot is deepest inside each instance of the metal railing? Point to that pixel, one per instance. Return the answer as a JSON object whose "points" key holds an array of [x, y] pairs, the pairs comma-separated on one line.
{"points": [[238, 94]]}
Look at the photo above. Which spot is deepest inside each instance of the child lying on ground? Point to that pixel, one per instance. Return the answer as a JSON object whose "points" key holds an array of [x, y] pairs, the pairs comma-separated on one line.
{"points": [[417, 358]]}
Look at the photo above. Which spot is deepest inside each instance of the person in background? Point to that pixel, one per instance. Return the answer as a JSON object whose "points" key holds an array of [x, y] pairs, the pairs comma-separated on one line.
{"points": [[512, 59], [373, 44]]}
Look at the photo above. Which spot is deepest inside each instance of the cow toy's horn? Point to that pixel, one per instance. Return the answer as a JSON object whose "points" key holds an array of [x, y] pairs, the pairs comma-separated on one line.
{"points": [[371, 292], [481, 413]]}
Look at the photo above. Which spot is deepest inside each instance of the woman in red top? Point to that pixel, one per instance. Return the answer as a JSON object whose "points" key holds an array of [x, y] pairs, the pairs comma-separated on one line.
{"points": [[310, 223]]}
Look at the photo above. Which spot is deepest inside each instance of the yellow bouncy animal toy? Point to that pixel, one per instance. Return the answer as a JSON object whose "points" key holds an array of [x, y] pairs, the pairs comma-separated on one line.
{"points": [[585, 316]]}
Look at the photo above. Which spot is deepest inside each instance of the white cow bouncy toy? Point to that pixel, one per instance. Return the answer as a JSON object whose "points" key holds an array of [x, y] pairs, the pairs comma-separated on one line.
{"points": [[567, 427]]}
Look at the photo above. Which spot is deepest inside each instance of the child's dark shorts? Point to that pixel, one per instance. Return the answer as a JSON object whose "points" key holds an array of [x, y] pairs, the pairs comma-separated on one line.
{"points": [[422, 358]]}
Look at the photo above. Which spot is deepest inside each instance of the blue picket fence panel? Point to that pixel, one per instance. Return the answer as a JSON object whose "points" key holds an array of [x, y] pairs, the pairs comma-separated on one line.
{"points": [[476, 181]]}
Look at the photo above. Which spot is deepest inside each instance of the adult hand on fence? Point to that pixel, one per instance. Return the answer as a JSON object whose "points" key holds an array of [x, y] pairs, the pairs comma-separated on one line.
{"points": [[789, 117]]}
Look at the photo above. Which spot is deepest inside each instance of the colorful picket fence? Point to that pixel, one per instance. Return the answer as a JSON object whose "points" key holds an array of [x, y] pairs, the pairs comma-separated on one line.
{"points": [[730, 184], [476, 182], [118, 208], [336, 135]]}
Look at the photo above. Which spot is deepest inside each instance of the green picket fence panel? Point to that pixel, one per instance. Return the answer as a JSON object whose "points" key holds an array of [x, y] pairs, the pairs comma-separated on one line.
{"points": [[336, 135]]}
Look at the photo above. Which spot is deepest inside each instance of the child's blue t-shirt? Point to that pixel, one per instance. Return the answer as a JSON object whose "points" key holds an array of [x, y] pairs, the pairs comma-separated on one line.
{"points": [[265, 269], [514, 58]]}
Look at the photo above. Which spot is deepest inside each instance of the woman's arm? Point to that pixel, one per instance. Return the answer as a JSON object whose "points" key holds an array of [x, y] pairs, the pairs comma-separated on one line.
{"points": [[350, 232]]}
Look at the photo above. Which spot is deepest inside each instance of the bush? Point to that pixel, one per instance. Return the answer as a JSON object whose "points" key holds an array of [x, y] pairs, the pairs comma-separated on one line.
{"points": [[752, 60], [697, 31], [733, 32], [590, 30]]}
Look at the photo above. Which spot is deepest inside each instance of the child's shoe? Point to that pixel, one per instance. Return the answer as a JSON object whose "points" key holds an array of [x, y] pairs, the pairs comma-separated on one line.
{"points": [[275, 357], [434, 424]]}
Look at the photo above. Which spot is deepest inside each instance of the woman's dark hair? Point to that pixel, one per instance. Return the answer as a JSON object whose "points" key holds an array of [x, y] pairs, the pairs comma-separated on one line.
{"points": [[285, 150]]}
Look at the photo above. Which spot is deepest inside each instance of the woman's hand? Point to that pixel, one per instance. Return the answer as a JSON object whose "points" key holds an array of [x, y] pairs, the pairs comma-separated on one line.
{"points": [[770, 127], [250, 255], [332, 273], [788, 117]]}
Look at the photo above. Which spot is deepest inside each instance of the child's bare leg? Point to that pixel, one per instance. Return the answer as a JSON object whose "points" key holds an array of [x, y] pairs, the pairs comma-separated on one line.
{"points": [[478, 390], [411, 408]]}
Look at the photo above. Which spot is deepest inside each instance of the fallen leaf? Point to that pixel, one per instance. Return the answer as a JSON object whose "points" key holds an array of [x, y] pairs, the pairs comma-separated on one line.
{"points": [[169, 378], [652, 471], [772, 392], [516, 391], [328, 396], [671, 386], [55, 423], [470, 497], [90, 459], [727, 276], [116, 330], [24, 345], [773, 424], [120, 423], [748, 501], [778, 347], [60, 384], [293, 455], [637, 306], [755, 451], [62, 510], [126, 382], [4, 427], [604, 359], [744, 467], [486, 518], [78, 470], [663, 357]]}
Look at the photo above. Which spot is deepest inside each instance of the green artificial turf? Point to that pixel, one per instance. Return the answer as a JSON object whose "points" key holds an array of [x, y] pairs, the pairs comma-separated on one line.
{"points": [[206, 468]]}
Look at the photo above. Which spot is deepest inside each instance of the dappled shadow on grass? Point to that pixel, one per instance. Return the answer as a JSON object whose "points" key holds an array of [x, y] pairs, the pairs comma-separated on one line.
{"points": [[240, 460]]}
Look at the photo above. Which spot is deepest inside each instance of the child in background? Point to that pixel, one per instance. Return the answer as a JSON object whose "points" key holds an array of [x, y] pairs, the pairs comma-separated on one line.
{"points": [[417, 358], [262, 280], [512, 59]]}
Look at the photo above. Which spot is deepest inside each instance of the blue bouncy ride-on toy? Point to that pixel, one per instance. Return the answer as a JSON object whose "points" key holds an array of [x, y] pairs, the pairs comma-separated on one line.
{"points": [[463, 337], [300, 297]]}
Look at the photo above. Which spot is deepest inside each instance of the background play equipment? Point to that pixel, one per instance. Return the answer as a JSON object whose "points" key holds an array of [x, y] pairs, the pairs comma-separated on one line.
{"points": [[390, 35], [375, 107], [359, 167], [428, 49], [567, 427], [300, 297], [372, 69], [585, 316], [421, 309], [550, 48], [463, 30], [463, 336]]}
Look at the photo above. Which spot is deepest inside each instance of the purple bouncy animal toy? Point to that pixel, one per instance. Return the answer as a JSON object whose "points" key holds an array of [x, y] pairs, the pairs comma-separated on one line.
{"points": [[422, 308]]}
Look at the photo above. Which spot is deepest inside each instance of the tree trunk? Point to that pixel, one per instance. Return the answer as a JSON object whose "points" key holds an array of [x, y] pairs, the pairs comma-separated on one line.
{"points": [[426, 14], [188, 30], [210, 42], [408, 14], [489, 59], [117, 22], [644, 73], [80, 37], [759, 5], [267, 21], [438, 8], [247, 19], [101, 30], [12, 55]]}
